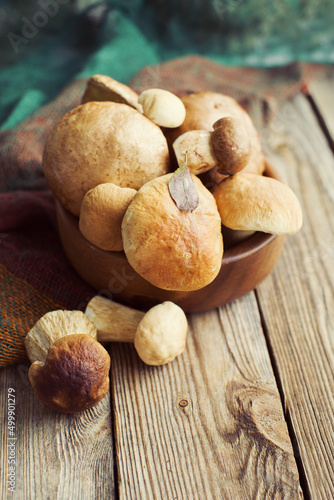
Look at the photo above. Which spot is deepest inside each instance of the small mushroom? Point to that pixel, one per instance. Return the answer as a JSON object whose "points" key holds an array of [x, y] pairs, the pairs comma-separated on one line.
{"points": [[252, 202], [162, 107], [101, 142], [105, 88], [205, 108], [70, 368], [171, 248], [200, 153], [158, 336], [231, 144], [228, 147], [101, 214]]}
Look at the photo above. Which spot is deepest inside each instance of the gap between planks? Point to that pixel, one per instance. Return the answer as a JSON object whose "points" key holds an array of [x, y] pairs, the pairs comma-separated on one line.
{"points": [[296, 300], [209, 425]]}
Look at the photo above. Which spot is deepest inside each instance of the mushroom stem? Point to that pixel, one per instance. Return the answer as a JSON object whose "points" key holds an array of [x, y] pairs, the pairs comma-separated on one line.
{"points": [[114, 322], [158, 336]]}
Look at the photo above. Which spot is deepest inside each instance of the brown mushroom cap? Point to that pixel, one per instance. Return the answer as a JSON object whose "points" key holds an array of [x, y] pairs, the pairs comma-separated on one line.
{"points": [[231, 143], [101, 215], [203, 109], [105, 88], [100, 142], [171, 248], [75, 375], [256, 203]]}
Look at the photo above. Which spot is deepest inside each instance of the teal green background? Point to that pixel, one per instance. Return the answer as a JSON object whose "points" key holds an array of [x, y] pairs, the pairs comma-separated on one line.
{"points": [[138, 33]]}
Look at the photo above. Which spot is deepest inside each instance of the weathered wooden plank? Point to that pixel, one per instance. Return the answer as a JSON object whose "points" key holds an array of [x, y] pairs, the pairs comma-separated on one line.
{"points": [[57, 456], [321, 88], [209, 425], [297, 299]]}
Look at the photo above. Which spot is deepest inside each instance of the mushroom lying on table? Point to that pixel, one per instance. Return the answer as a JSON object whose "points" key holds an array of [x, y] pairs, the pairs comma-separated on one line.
{"points": [[159, 335], [70, 368]]}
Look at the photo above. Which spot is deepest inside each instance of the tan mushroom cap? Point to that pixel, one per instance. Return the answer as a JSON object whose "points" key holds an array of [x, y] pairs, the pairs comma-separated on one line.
{"points": [[162, 107], [161, 334], [171, 248], [203, 109], [200, 154], [255, 203], [75, 375], [53, 326], [101, 142], [101, 215], [105, 88]]}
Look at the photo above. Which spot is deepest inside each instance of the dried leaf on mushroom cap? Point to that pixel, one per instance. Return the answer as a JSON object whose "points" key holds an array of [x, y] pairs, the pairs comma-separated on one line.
{"points": [[182, 188], [171, 248]]}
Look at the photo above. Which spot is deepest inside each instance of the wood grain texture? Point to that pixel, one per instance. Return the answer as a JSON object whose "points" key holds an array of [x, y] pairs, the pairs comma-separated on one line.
{"points": [[297, 299], [209, 425], [321, 88], [58, 456]]}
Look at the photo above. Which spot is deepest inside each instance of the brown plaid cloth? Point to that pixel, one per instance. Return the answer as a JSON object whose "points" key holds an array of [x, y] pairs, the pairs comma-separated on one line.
{"points": [[35, 276]]}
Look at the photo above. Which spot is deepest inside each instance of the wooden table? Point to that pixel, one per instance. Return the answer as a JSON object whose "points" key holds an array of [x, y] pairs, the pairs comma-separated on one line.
{"points": [[247, 412]]}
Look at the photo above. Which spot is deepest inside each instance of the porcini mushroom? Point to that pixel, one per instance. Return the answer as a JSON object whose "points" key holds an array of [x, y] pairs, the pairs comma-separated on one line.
{"points": [[203, 109], [159, 335], [70, 368], [101, 214], [101, 142], [105, 88], [256, 203], [231, 144], [171, 248], [162, 107], [228, 147], [197, 144]]}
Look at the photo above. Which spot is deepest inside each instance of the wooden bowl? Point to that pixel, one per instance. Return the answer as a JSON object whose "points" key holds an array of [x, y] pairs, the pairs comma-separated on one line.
{"points": [[244, 266]]}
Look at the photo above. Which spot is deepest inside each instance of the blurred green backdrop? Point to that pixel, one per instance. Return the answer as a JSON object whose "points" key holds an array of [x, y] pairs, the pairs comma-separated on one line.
{"points": [[46, 43]]}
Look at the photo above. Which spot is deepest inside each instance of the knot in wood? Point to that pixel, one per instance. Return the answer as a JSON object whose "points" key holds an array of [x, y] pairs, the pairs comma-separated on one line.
{"points": [[183, 403]]}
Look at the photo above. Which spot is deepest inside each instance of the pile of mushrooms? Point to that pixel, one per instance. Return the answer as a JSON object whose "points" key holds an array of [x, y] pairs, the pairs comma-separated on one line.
{"points": [[110, 161]]}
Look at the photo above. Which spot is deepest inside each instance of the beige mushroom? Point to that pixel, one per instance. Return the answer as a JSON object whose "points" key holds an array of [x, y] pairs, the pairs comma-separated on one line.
{"points": [[101, 142], [158, 336], [200, 154], [101, 214], [171, 248], [205, 108], [70, 369], [256, 203], [105, 88], [162, 107]]}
